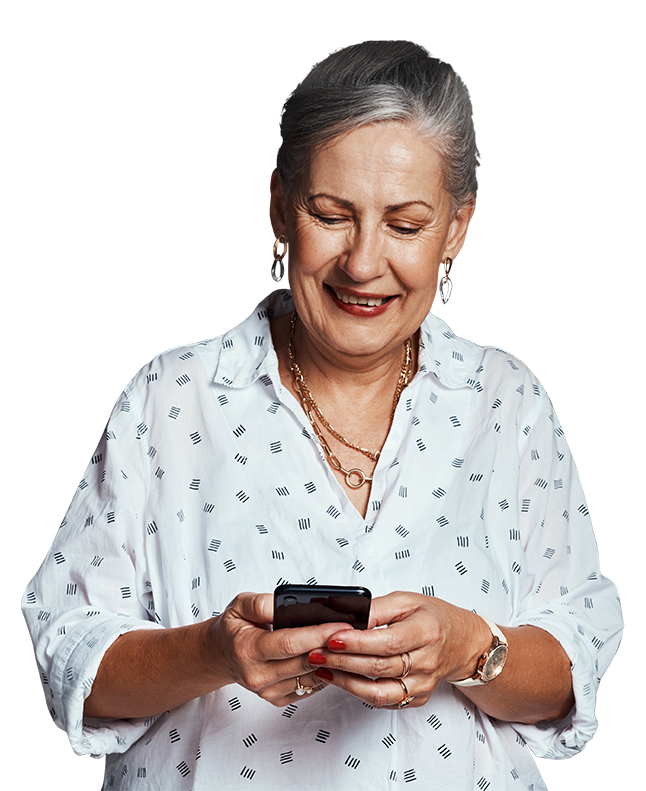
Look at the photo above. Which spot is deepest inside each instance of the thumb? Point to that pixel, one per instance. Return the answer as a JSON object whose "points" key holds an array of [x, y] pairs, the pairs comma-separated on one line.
{"points": [[257, 608], [389, 609]]}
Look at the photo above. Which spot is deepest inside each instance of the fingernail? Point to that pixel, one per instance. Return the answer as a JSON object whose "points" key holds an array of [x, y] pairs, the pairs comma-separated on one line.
{"points": [[336, 645], [324, 673], [317, 659]]}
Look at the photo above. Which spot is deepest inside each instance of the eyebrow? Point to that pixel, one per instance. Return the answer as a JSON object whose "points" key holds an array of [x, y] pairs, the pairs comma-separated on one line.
{"points": [[349, 205]]}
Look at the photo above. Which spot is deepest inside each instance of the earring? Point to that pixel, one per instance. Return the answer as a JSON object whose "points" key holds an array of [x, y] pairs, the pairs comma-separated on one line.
{"points": [[446, 284], [278, 259]]}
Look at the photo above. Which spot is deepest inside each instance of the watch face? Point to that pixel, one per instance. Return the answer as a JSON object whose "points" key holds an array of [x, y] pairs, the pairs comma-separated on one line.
{"points": [[495, 662]]}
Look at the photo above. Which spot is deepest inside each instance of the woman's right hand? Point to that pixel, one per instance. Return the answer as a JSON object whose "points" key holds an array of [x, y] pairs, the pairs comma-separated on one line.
{"points": [[240, 649]]}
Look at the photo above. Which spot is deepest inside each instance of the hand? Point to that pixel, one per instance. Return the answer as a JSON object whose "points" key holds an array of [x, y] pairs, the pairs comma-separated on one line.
{"points": [[444, 643], [241, 649]]}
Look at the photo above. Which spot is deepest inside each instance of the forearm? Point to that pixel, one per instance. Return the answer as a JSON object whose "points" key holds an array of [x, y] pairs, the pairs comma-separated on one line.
{"points": [[145, 673], [536, 683]]}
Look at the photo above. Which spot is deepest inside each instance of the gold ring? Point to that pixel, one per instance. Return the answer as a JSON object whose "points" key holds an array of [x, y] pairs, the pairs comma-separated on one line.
{"points": [[407, 663], [301, 690], [407, 698]]}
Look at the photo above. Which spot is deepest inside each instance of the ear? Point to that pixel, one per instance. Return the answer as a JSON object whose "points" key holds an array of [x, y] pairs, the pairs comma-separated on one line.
{"points": [[277, 205], [458, 228]]}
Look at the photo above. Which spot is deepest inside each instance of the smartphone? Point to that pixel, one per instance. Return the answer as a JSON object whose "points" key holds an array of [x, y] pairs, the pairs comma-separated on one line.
{"points": [[306, 605]]}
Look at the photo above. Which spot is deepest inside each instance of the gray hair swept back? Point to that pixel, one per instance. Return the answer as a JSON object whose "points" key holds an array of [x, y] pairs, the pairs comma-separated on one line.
{"points": [[379, 81]]}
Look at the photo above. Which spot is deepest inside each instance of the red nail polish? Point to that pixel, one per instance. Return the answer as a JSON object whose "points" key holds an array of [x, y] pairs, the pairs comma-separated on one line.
{"points": [[324, 673], [336, 645], [317, 659]]}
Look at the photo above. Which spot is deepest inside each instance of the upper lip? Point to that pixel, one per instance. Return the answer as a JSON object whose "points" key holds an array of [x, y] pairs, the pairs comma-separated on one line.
{"points": [[362, 294]]}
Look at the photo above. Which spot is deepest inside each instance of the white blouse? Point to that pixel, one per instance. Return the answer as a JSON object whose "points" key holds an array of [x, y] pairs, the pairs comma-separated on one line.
{"points": [[208, 481]]}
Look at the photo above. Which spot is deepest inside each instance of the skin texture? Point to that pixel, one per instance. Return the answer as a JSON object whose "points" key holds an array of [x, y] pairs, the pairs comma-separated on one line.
{"points": [[444, 643], [144, 673], [371, 218]]}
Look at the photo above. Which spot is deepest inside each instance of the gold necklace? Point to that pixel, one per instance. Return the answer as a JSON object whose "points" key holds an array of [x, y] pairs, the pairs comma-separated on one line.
{"points": [[310, 405]]}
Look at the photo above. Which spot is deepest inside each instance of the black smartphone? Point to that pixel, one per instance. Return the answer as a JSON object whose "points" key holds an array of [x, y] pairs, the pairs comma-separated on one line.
{"points": [[306, 605]]}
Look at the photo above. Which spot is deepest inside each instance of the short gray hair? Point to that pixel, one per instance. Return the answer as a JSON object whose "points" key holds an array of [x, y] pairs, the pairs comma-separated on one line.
{"points": [[379, 81]]}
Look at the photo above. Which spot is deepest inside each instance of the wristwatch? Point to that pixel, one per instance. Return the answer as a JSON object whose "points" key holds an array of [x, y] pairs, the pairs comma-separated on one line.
{"points": [[491, 663]]}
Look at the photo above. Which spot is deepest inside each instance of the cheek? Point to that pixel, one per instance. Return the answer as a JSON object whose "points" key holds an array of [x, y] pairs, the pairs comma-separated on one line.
{"points": [[418, 274], [311, 250]]}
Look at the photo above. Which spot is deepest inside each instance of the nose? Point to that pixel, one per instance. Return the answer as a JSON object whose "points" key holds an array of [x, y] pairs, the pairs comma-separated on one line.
{"points": [[364, 257]]}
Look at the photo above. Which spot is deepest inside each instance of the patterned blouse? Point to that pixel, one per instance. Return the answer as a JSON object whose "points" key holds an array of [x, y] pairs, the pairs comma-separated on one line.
{"points": [[208, 481]]}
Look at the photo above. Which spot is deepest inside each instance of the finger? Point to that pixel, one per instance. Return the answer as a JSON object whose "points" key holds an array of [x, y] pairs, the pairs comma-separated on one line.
{"points": [[415, 702], [363, 664], [415, 631], [393, 607], [379, 693], [293, 690], [256, 608], [288, 643]]}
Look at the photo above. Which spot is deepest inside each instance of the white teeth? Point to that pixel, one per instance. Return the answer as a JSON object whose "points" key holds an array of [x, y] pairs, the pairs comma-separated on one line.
{"points": [[351, 299]]}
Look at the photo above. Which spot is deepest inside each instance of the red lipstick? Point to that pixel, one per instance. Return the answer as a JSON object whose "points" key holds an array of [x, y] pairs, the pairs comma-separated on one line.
{"points": [[355, 309]]}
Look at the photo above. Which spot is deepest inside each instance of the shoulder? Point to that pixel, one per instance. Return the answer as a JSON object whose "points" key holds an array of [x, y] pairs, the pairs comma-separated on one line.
{"points": [[509, 376], [234, 359], [176, 368], [458, 362], [500, 366]]}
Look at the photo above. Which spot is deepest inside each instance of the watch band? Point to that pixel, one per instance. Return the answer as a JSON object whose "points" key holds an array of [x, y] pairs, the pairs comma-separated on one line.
{"points": [[478, 678]]}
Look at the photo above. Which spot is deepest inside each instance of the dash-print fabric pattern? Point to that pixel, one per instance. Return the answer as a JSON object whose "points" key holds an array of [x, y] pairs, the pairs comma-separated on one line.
{"points": [[208, 481]]}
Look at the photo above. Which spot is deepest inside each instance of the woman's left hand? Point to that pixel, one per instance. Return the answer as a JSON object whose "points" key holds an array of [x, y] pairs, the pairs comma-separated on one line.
{"points": [[444, 643]]}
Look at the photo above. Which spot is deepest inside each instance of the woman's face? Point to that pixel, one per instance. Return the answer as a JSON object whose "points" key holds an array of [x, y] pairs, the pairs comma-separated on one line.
{"points": [[367, 234]]}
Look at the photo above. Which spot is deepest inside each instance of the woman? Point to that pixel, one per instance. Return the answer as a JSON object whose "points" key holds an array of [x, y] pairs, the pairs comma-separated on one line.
{"points": [[341, 435]]}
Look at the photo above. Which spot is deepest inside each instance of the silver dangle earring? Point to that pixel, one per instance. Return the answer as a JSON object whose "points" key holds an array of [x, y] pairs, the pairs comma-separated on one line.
{"points": [[278, 259], [446, 284]]}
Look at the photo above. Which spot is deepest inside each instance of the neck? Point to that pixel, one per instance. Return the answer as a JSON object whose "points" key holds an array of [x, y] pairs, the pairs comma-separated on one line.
{"points": [[328, 368]]}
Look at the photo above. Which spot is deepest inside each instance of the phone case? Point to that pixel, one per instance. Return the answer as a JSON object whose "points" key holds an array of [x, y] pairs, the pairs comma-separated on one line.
{"points": [[306, 605]]}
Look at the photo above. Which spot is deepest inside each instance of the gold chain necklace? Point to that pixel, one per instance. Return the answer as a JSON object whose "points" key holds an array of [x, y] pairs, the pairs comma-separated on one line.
{"points": [[310, 405]]}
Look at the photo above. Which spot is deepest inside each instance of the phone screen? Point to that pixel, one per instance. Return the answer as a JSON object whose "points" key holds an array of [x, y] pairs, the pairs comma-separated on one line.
{"points": [[306, 605]]}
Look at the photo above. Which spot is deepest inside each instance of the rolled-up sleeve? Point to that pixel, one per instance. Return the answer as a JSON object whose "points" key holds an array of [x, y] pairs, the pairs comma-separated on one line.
{"points": [[93, 585], [565, 592]]}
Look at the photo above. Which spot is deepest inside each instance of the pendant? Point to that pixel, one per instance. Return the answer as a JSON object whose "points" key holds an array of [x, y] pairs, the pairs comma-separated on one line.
{"points": [[360, 474]]}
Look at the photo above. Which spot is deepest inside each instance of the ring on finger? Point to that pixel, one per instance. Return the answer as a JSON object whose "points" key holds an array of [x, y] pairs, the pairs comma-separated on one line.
{"points": [[407, 664], [407, 698], [302, 690]]}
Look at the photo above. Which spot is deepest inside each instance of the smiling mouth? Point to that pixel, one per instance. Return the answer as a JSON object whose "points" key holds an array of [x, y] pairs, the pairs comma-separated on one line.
{"points": [[354, 299]]}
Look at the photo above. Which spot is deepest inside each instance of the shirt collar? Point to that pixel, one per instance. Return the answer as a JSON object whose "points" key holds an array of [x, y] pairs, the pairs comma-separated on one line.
{"points": [[455, 361], [248, 354], [247, 350]]}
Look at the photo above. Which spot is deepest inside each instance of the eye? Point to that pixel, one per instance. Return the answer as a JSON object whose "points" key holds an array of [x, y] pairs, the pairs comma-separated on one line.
{"points": [[329, 220], [404, 230]]}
